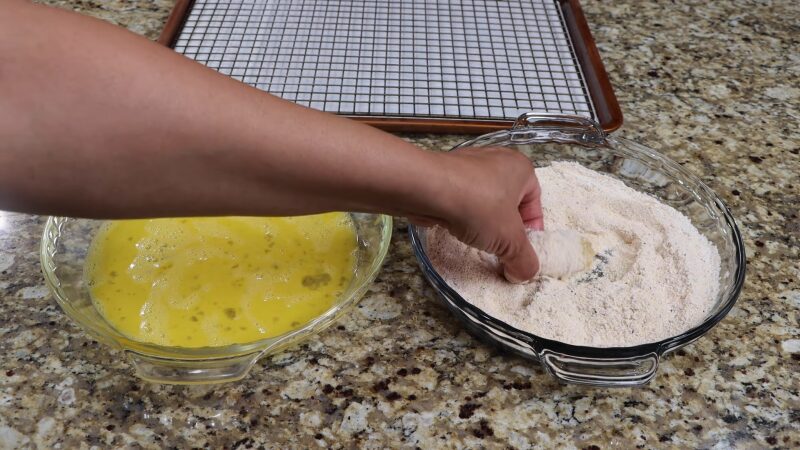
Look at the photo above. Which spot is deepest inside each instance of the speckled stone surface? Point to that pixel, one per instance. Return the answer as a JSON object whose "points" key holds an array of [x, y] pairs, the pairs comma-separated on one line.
{"points": [[714, 85]]}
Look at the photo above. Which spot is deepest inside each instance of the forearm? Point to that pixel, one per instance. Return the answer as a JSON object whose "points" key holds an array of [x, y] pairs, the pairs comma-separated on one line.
{"points": [[98, 122]]}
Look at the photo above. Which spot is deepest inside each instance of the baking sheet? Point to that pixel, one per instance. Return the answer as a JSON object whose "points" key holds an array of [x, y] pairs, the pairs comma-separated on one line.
{"points": [[482, 61]]}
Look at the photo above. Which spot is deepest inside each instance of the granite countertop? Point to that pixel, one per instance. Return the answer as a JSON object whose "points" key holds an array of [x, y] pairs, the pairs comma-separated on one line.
{"points": [[712, 85]]}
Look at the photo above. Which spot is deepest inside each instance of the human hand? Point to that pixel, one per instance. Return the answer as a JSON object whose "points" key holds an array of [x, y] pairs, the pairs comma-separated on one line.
{"points": [[493, 195]]}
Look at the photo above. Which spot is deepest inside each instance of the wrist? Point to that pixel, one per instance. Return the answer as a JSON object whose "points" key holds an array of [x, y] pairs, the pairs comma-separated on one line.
{"points": [[436, 187], [415, 184]]}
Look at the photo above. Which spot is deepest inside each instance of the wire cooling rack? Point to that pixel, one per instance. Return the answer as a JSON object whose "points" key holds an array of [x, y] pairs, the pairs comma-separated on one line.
{"points": [[434, 62]]}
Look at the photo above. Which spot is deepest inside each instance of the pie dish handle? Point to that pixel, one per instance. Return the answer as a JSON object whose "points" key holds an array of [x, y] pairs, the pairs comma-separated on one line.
{"points": [[534, 127], [603, 372]]}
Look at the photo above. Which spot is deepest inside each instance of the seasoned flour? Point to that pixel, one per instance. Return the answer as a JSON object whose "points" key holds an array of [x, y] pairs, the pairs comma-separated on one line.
{"points": [[650, 275]]}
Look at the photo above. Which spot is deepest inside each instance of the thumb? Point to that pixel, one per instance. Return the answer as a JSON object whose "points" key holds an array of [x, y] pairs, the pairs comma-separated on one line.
{"points": [[520, 263]]}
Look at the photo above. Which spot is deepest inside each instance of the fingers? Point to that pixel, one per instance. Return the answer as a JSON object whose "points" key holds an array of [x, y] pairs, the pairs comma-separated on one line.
{"points": [[520, 262], [531, 212], [530, 207]]}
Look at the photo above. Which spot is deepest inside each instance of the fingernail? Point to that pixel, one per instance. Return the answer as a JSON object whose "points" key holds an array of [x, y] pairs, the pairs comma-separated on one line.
{"points": [[513, 279]]}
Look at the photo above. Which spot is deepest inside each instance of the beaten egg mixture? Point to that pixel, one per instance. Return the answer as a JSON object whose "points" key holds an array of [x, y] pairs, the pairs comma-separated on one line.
{"points": [[199, 282]]}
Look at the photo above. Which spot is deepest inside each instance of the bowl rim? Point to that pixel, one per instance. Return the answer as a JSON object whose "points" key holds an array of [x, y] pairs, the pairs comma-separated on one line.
{"points": [[118, 340], [539, 343]]}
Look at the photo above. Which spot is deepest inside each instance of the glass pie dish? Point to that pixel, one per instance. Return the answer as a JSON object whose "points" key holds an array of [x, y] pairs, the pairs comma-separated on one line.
{"points": [[545, 138], [63, 253]]}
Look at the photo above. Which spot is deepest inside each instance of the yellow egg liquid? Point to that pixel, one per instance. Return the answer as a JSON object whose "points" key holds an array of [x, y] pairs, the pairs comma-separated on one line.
{"points": [[199, 282]]}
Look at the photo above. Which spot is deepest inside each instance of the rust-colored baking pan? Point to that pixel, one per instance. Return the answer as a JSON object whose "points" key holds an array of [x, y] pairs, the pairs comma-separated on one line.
{"points": [[544, 30]]}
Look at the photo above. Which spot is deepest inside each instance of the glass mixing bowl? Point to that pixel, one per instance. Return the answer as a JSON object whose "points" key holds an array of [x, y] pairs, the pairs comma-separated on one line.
{"points": [[63, 253], [545, 138]]}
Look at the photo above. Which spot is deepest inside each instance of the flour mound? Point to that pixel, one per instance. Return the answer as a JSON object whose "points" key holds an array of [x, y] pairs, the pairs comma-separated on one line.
{"points": [[618, 267]]}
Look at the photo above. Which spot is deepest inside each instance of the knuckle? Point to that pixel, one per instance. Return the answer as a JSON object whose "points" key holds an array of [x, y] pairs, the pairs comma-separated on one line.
{"points": [[506, 249]]}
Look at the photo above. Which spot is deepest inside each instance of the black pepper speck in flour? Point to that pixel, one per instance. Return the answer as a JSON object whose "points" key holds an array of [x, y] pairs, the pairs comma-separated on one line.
{"points": [[653, 275]]}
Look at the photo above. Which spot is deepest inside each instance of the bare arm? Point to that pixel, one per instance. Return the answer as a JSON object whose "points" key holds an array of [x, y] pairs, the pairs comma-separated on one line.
{"points": [[98, 122]]}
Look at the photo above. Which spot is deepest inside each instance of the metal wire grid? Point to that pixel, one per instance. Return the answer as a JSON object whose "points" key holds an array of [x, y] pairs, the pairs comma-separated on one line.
{"points": [[466, 59]]}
